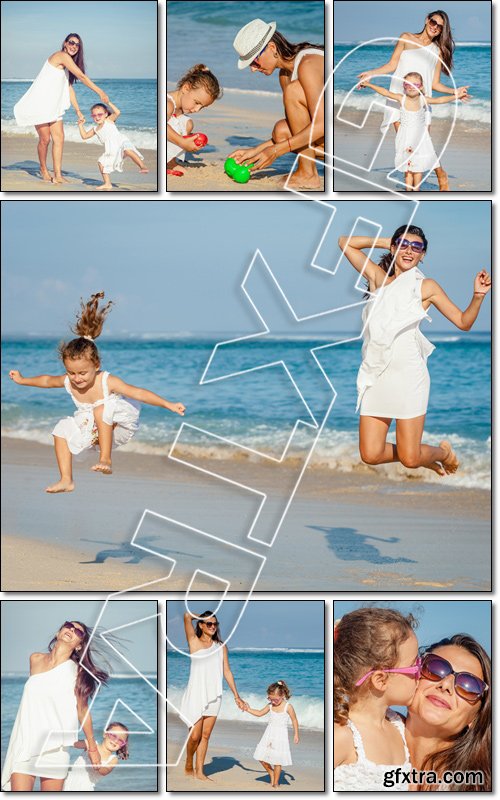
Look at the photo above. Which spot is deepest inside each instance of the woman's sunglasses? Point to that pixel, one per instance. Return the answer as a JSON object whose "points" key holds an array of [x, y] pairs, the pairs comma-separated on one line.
{"points": [[256, 62], [467, 686], [404, 244], [115, 738], [72, 42], [414, 671], [76, 630], [210, 624], [435, 24]]}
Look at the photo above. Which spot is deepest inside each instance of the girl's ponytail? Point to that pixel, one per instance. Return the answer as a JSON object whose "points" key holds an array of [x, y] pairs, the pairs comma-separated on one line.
{"points": [[88, 326]]}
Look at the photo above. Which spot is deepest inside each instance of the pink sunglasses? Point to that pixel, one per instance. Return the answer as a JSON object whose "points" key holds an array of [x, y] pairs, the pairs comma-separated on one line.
{"points": [[414, 671]]}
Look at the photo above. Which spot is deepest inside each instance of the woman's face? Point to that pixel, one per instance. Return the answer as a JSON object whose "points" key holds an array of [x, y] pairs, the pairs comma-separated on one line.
{"points": [[408, 257], [434, 25], [71, 634], [438, 704], [266, 62], [72, 46], [209, 625]]}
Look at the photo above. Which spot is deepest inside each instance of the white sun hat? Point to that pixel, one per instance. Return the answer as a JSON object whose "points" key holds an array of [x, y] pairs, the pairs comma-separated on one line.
{"points": [[251, 40]]}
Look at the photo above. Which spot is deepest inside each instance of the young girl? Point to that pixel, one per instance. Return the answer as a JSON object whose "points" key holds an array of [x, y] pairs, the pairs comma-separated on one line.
{"points": [[107, 408], [83, 776], [414, 149], [116, 146], [273, 750], [375, 665], [197, 89]]}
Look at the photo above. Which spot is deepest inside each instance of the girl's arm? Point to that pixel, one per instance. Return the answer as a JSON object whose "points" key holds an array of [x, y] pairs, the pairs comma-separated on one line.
{"points": [[355, 256], [61, 58], [228, 675], [41, 381], [295, 723], [464, 320], [459, 94], [85, 134], [74, 103], [175, 138], [391, 65], [109, 767], [116, 384], [116, 112], [258, 712], [85, 721], [381, 90]]}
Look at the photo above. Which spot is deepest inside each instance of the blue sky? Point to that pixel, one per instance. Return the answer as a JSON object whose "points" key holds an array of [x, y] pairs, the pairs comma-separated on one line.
{"points": [[265, 623], [355, 20], [178, 266], [119, 36], [29, 625], [437, 618]]}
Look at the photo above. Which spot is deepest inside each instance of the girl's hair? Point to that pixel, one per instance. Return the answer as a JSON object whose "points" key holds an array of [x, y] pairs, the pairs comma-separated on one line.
{"points": [[101, 105], [77, 58], [198, 631], [288, 50], [471, 748], [412, 75], [281, 688], [200, 75], [365, 639], [122, 753], [88, 327], [445, 40], [89, 675]]}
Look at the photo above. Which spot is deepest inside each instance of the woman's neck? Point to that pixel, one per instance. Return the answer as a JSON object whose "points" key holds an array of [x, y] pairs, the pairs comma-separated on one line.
{"points": [[422, 740], [59, 653], [206, 639], [286, 64], [424, 38], [370, 709]]}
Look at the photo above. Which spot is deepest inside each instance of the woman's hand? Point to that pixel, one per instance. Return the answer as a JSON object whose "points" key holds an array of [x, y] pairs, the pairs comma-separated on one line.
{"points": [[94, 756], [244, 155], [15, 376], [364, 77], [462, 94], [240, 703], [103, 96], [482, 282], [265, 158], [81, 118]]}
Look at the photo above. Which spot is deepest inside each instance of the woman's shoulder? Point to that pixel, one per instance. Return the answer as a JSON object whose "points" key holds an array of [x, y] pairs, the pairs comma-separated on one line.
{"points": [[36, 657]]}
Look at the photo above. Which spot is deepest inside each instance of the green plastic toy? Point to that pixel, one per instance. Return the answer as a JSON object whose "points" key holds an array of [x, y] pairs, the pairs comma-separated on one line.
{"points": [[238, 172]]}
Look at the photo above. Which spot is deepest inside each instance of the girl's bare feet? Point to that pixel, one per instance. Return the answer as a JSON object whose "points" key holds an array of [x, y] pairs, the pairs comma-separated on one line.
{"points": [[450, 461], [144, 169], [64, 485], [104, 466]]}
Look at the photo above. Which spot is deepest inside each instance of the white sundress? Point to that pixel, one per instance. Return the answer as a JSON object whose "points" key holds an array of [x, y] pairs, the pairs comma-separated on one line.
{"points": [[82, 777], [417, 59], [274, 746], [80, 430], [46, 100], [114, 145], [179, 124], [203, 695], [307, 51], [414, 149], [364, 775]]}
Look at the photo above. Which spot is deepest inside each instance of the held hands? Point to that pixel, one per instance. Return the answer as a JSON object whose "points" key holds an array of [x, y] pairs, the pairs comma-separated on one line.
{"points": [[15, 376], [462, 94], [364, 78], [94, 756], [240, 703], [482, 283], [103, 97]]}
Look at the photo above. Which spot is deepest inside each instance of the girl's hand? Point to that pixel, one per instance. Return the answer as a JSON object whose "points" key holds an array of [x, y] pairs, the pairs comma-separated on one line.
{"points": [[244, 155], [296, 739], [15, 376], [265, 158], [190, 144], [462, 94], [482, 282], [81, 118], [177, 408], [364, 77]]}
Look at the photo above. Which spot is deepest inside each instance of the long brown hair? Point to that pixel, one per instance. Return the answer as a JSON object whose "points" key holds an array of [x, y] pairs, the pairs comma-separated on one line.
{"points": [[287, 50], [199, 632], [86, 681], [88, 327], [78, 58], [471, 749], [445, 40], [122, 753], [388, 261], [368, 638]]}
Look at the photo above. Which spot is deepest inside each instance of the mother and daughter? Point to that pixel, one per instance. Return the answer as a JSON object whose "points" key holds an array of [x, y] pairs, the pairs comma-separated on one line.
{"points": [[201, 702], [446, 687]]}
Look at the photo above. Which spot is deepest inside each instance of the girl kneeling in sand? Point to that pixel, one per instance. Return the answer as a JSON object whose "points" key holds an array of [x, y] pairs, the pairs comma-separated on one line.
{"points": [[273, 750], [108, 409], [83, 775], [197, 89]]}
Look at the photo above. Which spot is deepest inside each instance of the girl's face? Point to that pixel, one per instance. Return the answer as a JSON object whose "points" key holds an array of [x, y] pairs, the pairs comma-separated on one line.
{"points": [[266, 62], [81, 372], [194, 99], [400, 687], [438, 704], [408, 256], [275, 698], [412, 86], [99, 114], [434, 25], [115, 738]]}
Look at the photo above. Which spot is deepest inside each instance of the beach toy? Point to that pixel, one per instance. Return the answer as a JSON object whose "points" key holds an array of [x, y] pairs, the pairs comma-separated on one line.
{"points": [[200, 139], [238, 172]]}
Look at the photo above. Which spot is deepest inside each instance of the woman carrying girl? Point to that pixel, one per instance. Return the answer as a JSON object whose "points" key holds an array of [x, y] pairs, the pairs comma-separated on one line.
{"points": [[107, 408], [83, 776], [49, 97], [393, 380], [197, 89], [273, 750]]}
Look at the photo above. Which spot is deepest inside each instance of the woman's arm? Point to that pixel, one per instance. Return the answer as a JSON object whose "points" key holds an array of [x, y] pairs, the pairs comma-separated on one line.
{"points": [[353, 247], [74, 103], [40, 381], [116, 384], [387, 69], [258, 712], [228, 675], [295, 723], [464, 320], [381, 90], [459, 94], [437, 86], [246, 155], [85, 721], [63, 59], [188, 627]]}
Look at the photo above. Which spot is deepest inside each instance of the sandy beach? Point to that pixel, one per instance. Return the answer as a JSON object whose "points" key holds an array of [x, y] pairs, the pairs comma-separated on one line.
{"points": [[20, 168], [347, 530], [237, 120], [467, 158], [230, 764]]}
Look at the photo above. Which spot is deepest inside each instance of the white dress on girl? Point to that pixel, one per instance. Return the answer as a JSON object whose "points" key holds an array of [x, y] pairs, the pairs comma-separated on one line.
{"points": [[274, 746], [419, 59], [48, 706], [414, 149], [203, 695], [364, 775], [179, 124], [114, 144], [82, 777], [46, 100], [80, 430]]}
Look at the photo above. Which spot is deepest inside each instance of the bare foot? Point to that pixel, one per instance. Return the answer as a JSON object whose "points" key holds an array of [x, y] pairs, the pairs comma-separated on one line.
{"points": [[202, 777], [104, 187], [103, 466], [60, 179], [437, 467], [299, 181], [46, 177], [443, 181], [144, 169], [64, 485], [450, 461]]}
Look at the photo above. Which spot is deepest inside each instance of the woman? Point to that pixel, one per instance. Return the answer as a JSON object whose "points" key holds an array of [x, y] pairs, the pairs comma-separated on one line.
{"points": [[202, 699], [53, 704], [448, 728], [393, 380], [425, 53], [48, 98], [301, 75]]}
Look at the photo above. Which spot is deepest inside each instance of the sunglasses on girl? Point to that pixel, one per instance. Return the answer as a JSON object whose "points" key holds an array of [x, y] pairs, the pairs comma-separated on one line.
{"points": [[414, 671], [404, 244], [116, 738], [412, 85], [73, 43], [467, 686], [73, 628], [435, 24]]}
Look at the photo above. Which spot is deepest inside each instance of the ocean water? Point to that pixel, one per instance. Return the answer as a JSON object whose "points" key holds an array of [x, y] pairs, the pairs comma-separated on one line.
{"points": [[472, 67], [142, 747], [136, 99], [254, 670], [259, 409]]}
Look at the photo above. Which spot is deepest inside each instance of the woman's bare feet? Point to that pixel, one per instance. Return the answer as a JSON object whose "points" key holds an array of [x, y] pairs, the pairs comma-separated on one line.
{"points": [[300, 181], [202, 777], [103, 466], [450, 461], [437, 467], [104, 187], [442, 177], [60, 179], [64, 485], [46, 176]]}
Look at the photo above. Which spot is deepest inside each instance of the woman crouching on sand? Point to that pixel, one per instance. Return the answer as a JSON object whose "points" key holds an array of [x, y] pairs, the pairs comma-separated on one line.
{"points": [[393, 380], [50, 96], [301, 74], [202, 699]]}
